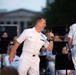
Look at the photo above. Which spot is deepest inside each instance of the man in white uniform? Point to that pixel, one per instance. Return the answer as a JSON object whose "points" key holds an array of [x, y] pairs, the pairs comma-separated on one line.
{"points": [[72, 42], [33, 41]]}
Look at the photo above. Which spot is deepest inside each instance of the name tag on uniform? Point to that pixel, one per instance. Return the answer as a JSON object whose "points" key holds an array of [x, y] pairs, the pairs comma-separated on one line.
{"points": [[16, 60], [41, 39], [30, 37]]}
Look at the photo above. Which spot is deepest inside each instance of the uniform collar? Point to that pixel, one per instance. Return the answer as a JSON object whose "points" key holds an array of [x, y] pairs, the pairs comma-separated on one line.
{"points": [[36, 31]]}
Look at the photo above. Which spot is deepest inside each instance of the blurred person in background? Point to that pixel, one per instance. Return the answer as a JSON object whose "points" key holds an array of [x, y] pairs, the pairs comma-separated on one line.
{"points": [[15, 62], [14, 39], [0, 60], [57, 38], [51, 62], [63, 72], [5, 35], [66, 37], [50, 57], [8, 70]]}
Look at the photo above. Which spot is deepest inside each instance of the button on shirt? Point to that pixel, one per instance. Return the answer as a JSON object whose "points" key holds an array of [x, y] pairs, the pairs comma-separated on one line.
{"points": [[72, 33], [33, 41]]}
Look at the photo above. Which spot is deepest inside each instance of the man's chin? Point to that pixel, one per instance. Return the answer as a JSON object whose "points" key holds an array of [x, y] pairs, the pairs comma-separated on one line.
{"points": [[42, 29]]}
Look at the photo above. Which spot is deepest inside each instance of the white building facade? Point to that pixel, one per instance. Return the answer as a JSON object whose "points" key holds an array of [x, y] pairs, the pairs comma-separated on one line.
{"points": [[19, 18]]}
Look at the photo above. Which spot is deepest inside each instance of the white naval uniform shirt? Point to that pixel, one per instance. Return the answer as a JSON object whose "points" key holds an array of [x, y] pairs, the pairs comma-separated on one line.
{"points": [[72, 33], [33, 41]]}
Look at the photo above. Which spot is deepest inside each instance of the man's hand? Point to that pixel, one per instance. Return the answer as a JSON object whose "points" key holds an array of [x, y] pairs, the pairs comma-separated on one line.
{"points": [[11, 57], [51, 35], [51, 39], [13, 52]]}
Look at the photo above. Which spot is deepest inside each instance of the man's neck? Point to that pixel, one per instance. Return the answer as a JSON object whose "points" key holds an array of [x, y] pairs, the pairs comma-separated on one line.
{"points": [[37, 29]]}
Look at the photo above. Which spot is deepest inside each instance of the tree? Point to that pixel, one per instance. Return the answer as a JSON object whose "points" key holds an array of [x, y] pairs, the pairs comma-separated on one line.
{"points": [[60, 13]]}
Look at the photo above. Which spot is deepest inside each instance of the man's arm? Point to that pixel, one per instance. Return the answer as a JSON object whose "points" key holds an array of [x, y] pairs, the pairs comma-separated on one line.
{"points": [[50, 46], [69, 46], [70, 43], [13, 51]]}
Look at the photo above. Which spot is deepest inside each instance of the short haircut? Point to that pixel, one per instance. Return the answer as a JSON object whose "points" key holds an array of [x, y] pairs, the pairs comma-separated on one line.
{"points": [[38, 19]]}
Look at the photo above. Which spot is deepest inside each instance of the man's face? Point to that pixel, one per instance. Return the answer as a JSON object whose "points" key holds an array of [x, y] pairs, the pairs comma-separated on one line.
{"points": [[56, 38], [42, 24], [64, 50]]}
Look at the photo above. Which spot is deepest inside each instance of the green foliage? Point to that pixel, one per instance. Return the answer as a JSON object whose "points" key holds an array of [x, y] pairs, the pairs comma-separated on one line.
{"points": [[60, 13]]}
